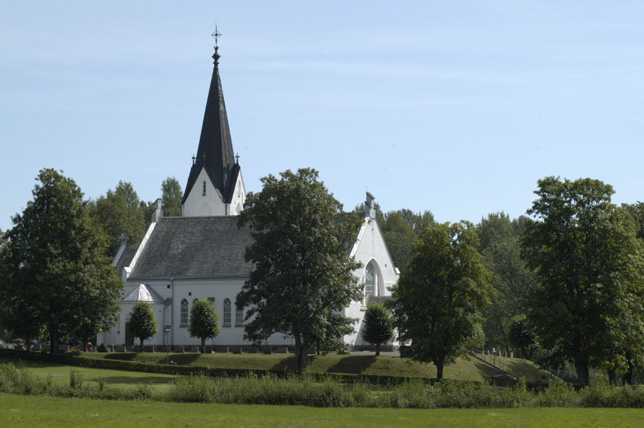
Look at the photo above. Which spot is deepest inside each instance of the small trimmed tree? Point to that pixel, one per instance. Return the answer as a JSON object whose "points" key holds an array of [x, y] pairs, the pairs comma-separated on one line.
{"points": [[142, 322], [204, 321], [378, 326]]}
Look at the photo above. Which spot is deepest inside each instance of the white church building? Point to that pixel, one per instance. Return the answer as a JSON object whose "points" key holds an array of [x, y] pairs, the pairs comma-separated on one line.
{"points": [[201, 254]]}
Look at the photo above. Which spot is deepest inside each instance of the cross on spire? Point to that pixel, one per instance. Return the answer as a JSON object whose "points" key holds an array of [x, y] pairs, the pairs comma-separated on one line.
{"points": [[216, 35]]}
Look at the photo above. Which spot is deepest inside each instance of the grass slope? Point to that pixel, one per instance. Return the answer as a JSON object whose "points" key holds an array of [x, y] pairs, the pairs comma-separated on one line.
{"points": [[61, 412], [467, 370]]}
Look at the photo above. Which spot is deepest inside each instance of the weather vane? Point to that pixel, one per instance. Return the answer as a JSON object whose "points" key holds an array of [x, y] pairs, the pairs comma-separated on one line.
{"points": [[216, 35]]}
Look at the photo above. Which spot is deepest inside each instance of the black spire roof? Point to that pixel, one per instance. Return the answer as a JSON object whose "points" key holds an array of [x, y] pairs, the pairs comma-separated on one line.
{"points": [[215, 151]]}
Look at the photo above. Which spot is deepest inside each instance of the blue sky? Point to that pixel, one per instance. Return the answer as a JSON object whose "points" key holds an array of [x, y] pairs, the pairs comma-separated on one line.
{"points": [[454, 107]]}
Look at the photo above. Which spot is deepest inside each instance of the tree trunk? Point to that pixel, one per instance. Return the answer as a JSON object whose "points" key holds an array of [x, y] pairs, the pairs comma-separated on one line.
{"points": [[203, 345], [439, 370], [141, 350], [612, 377], [300, 354], [583, 372], [377, 349], [53, 339], [627, 378]]}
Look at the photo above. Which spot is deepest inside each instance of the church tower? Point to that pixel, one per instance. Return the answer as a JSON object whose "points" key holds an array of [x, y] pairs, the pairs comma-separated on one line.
{"points": [[215, 185]]}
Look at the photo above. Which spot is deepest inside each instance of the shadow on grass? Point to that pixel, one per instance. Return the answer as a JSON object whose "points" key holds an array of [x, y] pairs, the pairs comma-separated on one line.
{"points": [[134, 380], [489, 371], [123, 356], [184, 359], [289, 364], [354, 364]]}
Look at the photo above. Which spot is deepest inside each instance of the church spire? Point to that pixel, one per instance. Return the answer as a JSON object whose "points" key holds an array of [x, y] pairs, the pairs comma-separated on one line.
{"points": [[215, 153]]}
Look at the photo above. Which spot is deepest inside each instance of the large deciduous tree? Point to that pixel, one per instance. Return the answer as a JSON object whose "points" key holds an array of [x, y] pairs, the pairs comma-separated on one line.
{"points": [[121, 211], [378, 326], [588, 260], [302, 275], [142, 322], [54, 272], [204, 321], [438, 298], [171, 197]]}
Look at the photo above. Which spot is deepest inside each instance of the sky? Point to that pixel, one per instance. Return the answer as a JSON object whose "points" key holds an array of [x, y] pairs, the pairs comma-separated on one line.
{"points": [[454, 107]]}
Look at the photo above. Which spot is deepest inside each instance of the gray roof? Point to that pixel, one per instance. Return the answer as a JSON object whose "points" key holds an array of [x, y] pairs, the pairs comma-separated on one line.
{"points": [[142, 294], [195, 247]]}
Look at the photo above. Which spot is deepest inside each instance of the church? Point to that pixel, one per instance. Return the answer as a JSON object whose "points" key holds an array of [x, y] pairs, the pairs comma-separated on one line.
{"points": [[200, 255]]}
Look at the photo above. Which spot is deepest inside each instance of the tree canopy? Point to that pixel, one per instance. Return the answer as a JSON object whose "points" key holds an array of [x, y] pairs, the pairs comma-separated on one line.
{"points": [[588, 260], [438, 298], [378, 326], [512, 280], [54, 272], [142, 322], [302, 276], [204, 321], [121, 211], [172, 194]]}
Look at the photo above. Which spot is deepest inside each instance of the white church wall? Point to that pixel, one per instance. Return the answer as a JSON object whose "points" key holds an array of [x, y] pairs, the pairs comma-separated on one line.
{"points": [[198, 204], [370, 248]]}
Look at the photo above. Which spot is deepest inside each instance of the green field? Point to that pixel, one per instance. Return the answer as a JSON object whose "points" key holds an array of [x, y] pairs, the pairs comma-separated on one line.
{"points": [[113, 378], [23, 411]]}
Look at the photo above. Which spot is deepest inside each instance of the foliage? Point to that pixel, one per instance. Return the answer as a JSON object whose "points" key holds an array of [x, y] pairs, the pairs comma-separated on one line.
{"points": [[142, 322], [120, 211], [521, 336], [302, 275], [377, 326], [512, 280], [400, 229], [204, 321], [172, 196], [54, 272], [588, 260], [438, 299]]}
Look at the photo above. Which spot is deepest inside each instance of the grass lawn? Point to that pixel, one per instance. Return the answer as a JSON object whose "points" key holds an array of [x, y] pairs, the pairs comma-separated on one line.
{"points": [[21, 411], [112, 378], [369, 364]]}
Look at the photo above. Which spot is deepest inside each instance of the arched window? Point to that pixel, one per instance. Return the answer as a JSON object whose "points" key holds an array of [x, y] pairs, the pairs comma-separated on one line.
{"points": [[239, 316], [370, 281], [227, 310], [184, 313], [204, 189]]}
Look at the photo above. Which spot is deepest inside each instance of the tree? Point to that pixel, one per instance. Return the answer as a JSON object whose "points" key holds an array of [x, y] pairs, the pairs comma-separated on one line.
{"points": [[512, 280], [121, 211], [588, 262], [172, 196], [302, 275], [142, 322], [437, 301], [204, 321], [400, 229], [521, 336], [378, 326], [54, 272]]}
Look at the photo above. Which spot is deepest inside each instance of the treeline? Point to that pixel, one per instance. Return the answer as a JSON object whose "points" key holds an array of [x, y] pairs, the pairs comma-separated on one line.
{"points": [[567, 279], [121, 211]]}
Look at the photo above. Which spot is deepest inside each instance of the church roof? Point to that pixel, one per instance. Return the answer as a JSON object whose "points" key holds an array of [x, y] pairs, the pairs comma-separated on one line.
{"points": [[215, 152], [195, 247], [142, 294]]}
